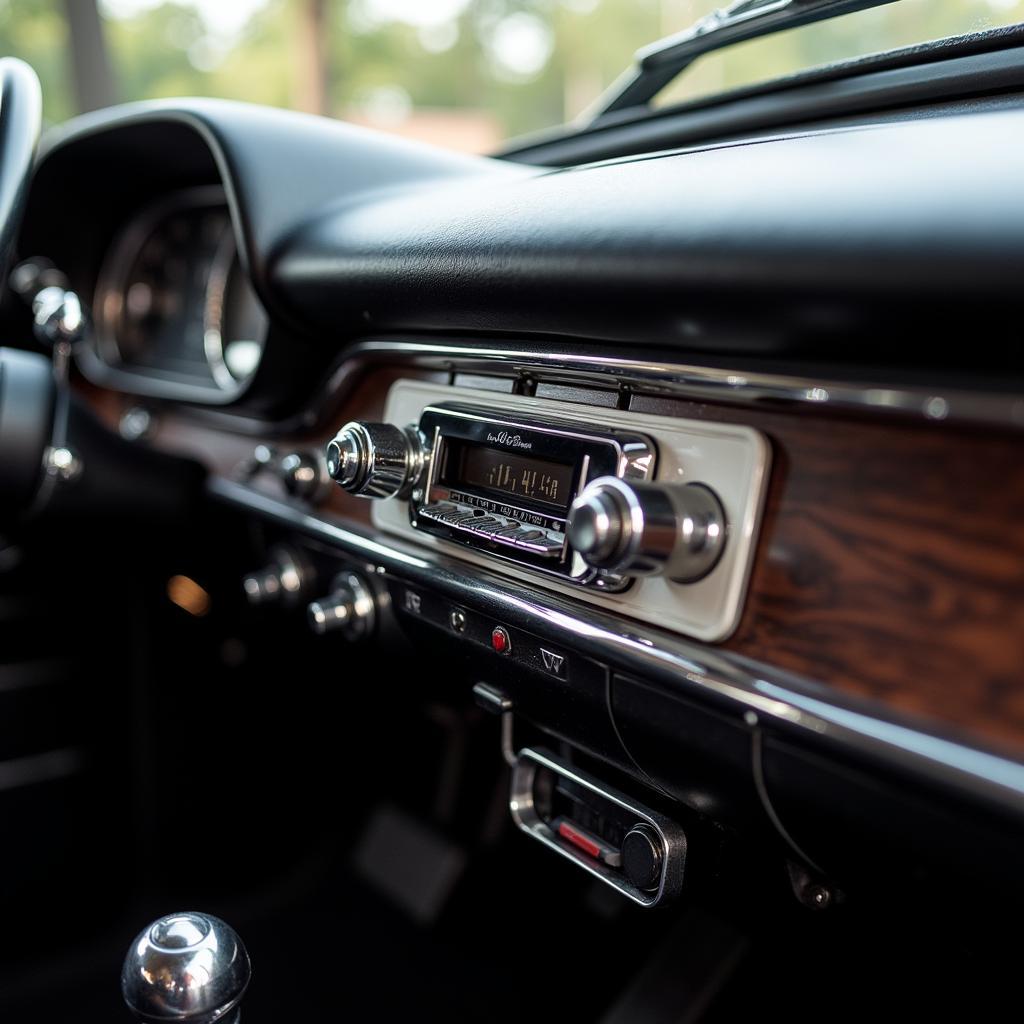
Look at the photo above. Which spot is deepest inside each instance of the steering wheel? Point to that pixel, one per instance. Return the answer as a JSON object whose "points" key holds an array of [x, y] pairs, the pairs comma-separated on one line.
{"points": [[26, 382], [21, 108]]}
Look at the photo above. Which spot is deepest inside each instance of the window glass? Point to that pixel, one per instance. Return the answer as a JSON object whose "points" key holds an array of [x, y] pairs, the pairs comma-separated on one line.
{"points": [[462, 73]]}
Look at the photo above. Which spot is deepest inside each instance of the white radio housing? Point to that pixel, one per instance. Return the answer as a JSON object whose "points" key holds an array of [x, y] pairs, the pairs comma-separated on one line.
{"points": [[732, 460]]}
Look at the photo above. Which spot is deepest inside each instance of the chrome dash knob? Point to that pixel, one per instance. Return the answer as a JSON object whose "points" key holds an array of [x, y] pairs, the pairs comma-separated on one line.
{"points": [[186, 967], [646, 529], [349, 609], [303, 475], [376, 460], [285, 580]]}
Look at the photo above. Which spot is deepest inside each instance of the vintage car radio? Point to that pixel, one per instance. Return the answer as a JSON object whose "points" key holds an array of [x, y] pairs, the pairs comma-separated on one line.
{"points": [[558, 497]]}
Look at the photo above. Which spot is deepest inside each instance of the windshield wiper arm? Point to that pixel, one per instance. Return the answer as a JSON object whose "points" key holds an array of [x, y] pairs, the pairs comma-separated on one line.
{"points": [[657, 64]]}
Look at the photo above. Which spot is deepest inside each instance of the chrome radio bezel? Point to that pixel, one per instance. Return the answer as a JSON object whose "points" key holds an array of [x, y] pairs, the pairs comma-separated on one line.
{"points": [[622, 453]]}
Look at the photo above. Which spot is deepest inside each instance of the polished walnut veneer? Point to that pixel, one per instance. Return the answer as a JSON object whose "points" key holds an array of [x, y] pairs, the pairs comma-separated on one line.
{"points": [[223, 451], [891, 564]]}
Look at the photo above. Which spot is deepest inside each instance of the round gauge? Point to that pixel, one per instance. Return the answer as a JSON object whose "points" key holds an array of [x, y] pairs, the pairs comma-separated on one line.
{"points": [[173, 302]]}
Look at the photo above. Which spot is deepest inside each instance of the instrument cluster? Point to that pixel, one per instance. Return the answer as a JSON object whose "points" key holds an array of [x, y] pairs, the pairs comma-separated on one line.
{"points": [[174, 305]]}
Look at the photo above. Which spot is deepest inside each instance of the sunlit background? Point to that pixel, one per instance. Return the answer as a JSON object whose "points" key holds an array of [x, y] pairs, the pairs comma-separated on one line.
{"points": [[463, 73]]}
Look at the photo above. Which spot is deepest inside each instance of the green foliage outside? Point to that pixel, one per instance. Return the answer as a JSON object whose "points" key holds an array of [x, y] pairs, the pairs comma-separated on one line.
{"points": [[165, 50]]}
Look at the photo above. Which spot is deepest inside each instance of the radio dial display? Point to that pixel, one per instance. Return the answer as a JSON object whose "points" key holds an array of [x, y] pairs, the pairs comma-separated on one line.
{"points": [[471, 465], [504, 487]]}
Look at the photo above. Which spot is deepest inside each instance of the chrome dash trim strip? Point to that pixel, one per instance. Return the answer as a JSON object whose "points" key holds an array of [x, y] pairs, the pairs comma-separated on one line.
{"points": [[752, 691], [938, 405], [686, 380]]}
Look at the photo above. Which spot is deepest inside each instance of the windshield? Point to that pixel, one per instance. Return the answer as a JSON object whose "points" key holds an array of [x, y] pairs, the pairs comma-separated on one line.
{"points": [[466, 74]]}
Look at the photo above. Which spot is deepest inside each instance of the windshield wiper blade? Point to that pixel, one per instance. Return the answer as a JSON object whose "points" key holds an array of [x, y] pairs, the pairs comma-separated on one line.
{"points": [[657, 64]]}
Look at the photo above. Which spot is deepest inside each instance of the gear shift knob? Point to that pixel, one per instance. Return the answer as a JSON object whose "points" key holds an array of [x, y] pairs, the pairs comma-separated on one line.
{"points": [[188, 967]]}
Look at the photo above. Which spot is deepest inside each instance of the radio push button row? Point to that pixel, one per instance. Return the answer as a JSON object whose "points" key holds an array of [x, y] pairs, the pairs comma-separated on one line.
{"points": [[437, 512], [552, 544], [485, 524], [507, 533], [527, 537], [539, 543]]}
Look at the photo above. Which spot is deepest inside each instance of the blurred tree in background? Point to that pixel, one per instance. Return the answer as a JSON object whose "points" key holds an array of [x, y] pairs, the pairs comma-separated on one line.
{"points": [[461, 72]]}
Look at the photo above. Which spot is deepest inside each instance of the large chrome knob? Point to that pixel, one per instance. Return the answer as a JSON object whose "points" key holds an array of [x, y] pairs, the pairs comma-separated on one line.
{"points": [[376, 460], [644, 529], [187, 967], [349, 609]]}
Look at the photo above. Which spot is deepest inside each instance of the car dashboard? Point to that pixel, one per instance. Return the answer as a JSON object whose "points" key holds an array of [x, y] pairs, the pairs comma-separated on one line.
{"points": [[699, 467]]}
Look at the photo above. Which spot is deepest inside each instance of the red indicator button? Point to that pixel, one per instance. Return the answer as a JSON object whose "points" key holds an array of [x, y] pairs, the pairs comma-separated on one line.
{"points": [[501, 642]]}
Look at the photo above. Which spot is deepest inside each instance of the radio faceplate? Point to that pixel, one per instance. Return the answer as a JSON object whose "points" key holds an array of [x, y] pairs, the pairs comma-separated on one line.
{"points": [[725, 459], [504, 484]]}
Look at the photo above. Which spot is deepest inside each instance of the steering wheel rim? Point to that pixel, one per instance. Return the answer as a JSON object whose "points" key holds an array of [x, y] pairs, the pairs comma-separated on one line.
{"points": [[26, 383], [21, 112]]}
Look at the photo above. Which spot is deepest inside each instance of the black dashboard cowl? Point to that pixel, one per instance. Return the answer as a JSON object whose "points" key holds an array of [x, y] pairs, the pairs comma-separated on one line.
{"points": [[887, 236], [279, 169], [897, 244]]}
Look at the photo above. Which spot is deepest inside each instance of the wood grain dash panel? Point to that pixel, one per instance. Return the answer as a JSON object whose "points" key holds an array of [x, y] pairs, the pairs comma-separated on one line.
{"points": [[891, 564]]}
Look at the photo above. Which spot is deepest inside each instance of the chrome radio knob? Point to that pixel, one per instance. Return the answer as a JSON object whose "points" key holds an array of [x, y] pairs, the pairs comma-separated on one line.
{"points": [[644, 529], [376, 460]]}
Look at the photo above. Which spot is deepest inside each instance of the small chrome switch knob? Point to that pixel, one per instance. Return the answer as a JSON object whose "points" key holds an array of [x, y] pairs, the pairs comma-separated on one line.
{"points": [[304, 475], [644, 529], [187, 967], [376, 460], [284, 581], [350, 608]]}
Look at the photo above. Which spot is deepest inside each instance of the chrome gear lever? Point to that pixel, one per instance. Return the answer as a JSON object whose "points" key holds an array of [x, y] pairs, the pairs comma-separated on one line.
{"points": [[188, 967]]}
